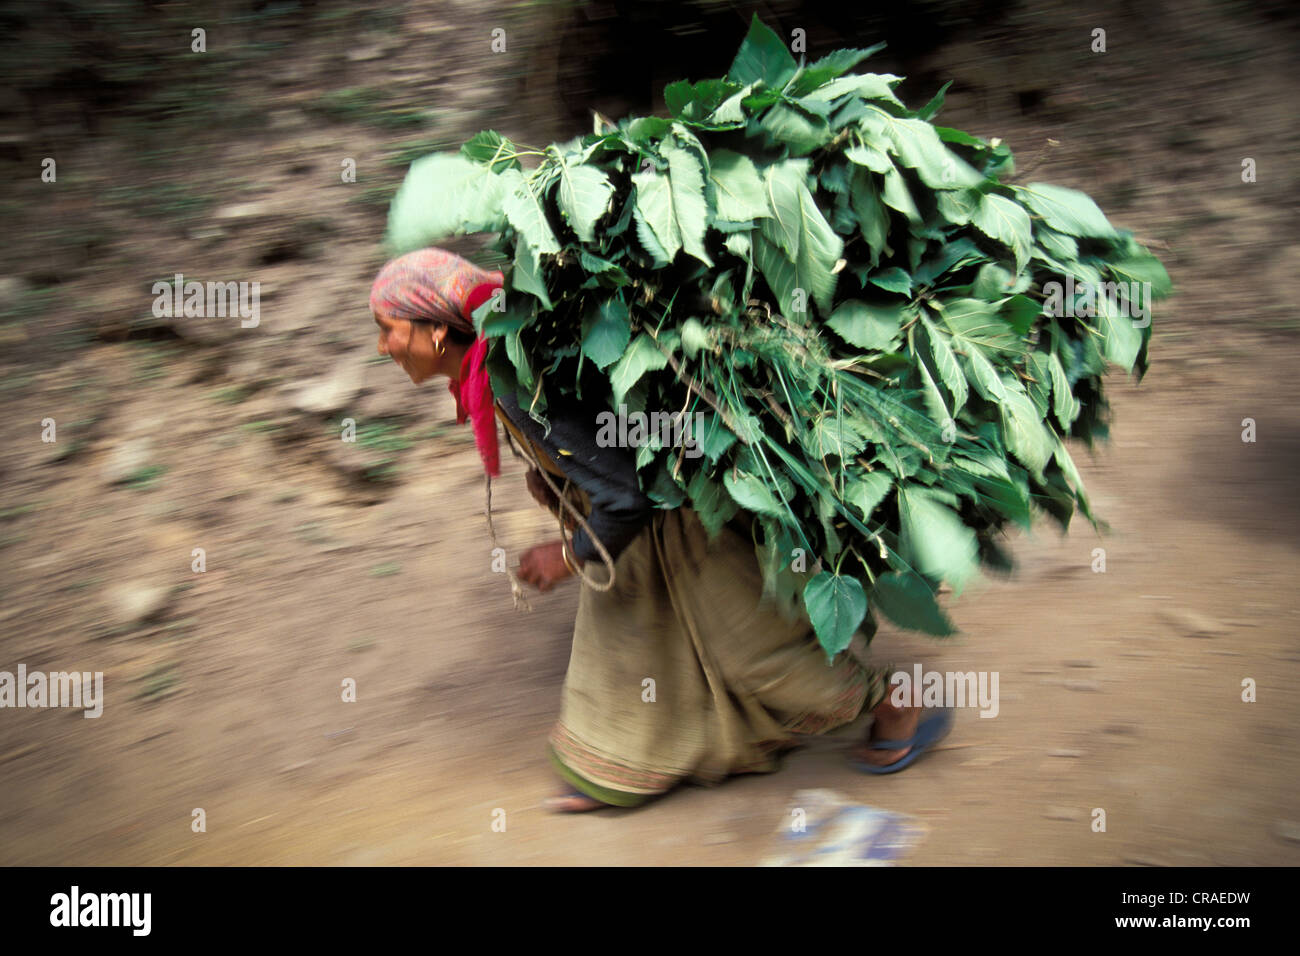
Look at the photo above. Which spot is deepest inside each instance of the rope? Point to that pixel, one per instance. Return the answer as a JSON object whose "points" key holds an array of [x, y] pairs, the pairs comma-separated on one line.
{"points": [[516, 588], [517, 592]]}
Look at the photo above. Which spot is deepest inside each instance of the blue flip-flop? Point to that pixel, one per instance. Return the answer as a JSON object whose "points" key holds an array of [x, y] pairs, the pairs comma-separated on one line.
{"points": [[931, 729]]}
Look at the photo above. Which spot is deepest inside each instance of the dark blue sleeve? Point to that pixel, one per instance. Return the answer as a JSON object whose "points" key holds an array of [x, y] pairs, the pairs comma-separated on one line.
{"points": [[619, 509]]}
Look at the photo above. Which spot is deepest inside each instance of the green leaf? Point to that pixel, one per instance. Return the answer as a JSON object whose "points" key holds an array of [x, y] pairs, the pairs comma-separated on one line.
{"points": [[994, 283], [694, 337], [896, 196], [689, 205], [919, 147], [518, 356], [752, 493], [935, 403], [874, 327], [974, 322], [867, 490], [527, 276], [1121, 337], [738, 244], [837, 436], [584, 197], [829, 67], [909, 602], [931, 109], [1020, 312], [805, 246], [836, 606], [873, 217], [950, 371], [695, 102], [664, 491], [868, 86], [957, 205], [762, 56], [641, 356], [717, 437], [1027, 438], [1143, 269], [892, 279], [1006, 221], [950, 255], [1039, 384], [738, 189], [1065, 405], [672, 205], [659, 256], [1071, 473], [444, 195], [711, 502], [487, 146], [1065, 248], [801, 131], [605, 332], [1066, 210], [524, 210], [985, 377], [933, 537], [861, 154]]}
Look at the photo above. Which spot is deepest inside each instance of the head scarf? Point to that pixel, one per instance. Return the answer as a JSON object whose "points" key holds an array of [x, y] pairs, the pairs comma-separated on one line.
{"points": [[432, 285]]}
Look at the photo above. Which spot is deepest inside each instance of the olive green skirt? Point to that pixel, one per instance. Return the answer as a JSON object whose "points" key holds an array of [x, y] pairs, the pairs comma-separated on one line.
{"points": [[682, 672]]}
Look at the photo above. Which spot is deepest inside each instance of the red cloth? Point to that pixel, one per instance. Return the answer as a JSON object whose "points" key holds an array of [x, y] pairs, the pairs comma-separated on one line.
{"points": [[432, 285], [473, 392]]}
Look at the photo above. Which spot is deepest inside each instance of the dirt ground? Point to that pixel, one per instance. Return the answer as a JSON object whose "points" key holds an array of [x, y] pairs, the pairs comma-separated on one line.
{"points": [[1120, 690]]}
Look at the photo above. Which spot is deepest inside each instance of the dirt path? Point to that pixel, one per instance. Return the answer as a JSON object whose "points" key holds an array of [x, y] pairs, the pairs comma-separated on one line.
{"points": [[1109, 696], [1119, 690]]}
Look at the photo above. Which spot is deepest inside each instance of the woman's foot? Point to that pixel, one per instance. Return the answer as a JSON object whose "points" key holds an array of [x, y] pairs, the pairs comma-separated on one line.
{"points": [[572, 802], [891, 723]]}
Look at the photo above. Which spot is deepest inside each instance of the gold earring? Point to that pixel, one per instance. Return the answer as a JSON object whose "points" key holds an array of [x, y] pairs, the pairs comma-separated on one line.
{"points": [[439, 349]]}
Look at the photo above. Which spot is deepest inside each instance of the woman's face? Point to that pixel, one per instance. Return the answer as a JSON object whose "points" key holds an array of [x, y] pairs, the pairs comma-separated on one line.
{"points": [[412, 345]]}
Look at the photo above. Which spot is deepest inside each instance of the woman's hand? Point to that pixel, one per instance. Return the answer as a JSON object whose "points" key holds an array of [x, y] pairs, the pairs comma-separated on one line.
{"points": [[543, 566]]}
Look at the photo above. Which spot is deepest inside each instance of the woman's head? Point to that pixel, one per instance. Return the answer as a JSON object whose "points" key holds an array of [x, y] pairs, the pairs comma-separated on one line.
{"points": [[423, 303]]}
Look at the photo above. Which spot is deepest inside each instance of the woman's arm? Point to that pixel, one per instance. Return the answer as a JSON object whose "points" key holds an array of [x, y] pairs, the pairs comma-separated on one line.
{"points": [[619, 510]]}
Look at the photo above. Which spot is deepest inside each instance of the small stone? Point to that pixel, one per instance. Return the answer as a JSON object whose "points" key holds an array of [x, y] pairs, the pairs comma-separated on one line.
{"points": [[1191, 623], [1084, 685], [1061, 752], [126, 460], [243, 210], [1063, 813], [364, 54], [330, 394], [12, 289], [1120, 728], [137, 603], [1287, 830]]}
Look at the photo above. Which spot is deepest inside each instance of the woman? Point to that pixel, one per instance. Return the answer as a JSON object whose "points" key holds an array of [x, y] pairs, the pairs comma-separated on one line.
{"points": [[678, 671]]}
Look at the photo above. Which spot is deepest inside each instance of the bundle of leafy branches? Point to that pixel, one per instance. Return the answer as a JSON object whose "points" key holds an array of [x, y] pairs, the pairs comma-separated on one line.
{"points": [[856, 301]]}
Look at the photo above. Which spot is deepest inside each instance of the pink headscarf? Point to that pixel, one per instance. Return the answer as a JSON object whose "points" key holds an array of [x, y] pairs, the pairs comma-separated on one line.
{"points": [[432, 285]]}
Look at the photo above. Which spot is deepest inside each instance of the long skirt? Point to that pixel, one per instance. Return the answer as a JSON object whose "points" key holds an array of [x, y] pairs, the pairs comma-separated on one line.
{"points": [[682, 672]]}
